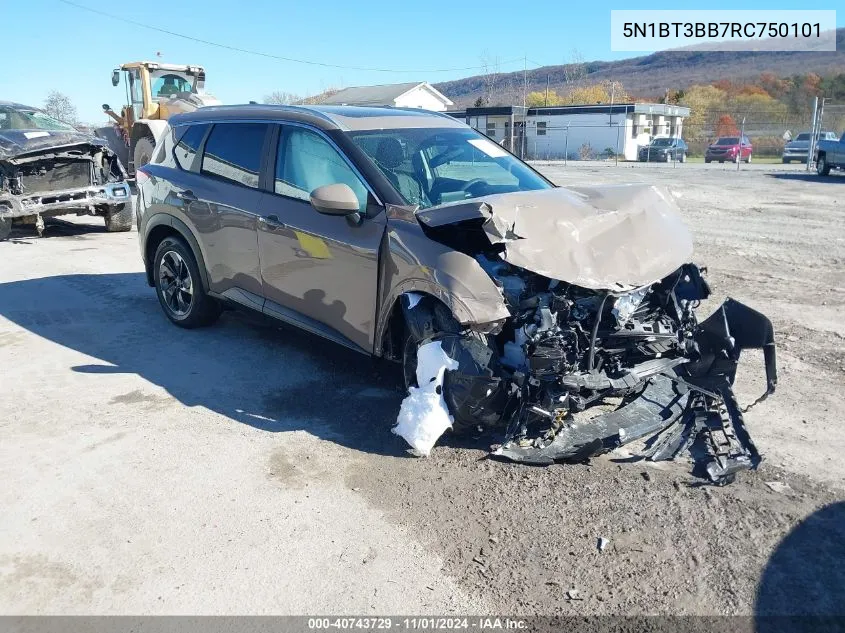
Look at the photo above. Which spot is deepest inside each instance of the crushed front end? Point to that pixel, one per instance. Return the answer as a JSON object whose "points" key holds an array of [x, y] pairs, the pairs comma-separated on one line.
{"points": [[576, 371], [82, 178]]}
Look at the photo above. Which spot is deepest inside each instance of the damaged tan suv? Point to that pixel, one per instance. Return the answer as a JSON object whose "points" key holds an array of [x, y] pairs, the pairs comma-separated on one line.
{"points": [[567, 315]]}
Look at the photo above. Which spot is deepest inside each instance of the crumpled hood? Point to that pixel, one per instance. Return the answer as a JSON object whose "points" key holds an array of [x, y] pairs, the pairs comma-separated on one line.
{"points": [[613, 237], [16, 142]]}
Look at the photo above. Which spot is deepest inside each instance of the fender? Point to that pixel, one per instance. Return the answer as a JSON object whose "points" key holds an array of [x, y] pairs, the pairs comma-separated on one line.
{"points": [[165, 219], [411, 262]]}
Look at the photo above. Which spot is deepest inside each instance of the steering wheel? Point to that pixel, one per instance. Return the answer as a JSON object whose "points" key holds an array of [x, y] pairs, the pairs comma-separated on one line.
{"points": [[471, 183]]}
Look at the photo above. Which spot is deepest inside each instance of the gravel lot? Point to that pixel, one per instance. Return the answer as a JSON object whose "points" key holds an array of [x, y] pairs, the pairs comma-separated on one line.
{"points": [[248, 468]]}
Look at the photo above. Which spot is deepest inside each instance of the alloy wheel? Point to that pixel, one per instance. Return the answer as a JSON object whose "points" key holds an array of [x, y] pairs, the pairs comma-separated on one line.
{"points": [[177, 288]]}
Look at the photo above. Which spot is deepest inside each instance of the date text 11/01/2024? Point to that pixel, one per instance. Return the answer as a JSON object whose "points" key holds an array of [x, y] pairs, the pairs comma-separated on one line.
{"points": [[489, 623]]}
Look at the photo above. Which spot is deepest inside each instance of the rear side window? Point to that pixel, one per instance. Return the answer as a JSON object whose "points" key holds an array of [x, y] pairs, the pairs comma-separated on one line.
{"points": [[233, 152], [186, 148]]}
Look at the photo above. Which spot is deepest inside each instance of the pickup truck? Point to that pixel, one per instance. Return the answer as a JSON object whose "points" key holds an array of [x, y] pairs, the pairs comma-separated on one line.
{"points": [[830, 155]]}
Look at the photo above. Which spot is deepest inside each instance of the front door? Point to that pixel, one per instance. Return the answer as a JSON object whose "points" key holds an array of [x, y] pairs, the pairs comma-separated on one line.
{"points": [[319, 271]]}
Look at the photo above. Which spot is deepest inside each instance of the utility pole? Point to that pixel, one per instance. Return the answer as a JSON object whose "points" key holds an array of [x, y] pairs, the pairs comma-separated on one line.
{"points": [[524, 81], [566, 145], [524, 107], [813, 136]]}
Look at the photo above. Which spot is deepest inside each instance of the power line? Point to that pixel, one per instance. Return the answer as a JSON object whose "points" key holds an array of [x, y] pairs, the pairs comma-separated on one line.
{"points": [[270, 55]]}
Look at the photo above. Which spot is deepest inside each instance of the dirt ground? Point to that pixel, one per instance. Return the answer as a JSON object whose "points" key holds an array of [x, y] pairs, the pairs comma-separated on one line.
{"points": [[248, 468]]}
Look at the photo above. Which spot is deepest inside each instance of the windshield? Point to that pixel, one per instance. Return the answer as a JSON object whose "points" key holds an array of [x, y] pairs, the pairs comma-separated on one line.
{"points": [[168, 83], [662, 142], [728, 140], [19, 119], [429, 167]]}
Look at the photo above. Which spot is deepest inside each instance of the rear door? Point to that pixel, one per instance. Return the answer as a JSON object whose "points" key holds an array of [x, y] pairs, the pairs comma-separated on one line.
{"points": [[319, 271], [225, 205]]}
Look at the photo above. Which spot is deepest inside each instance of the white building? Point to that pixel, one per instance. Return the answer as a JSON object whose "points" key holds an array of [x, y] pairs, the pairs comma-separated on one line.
{"points": [[576, 130], [410, 95]]}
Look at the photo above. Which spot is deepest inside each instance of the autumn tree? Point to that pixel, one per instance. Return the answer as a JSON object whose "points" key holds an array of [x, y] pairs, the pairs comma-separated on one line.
{"points": [[59, 106], [542, 98], [703, 102], [604, 92], [726, 126], [774, 85]]}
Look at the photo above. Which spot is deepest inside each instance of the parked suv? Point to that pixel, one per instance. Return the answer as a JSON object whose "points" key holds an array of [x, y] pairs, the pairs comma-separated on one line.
{"points": [[730, 148], [664, 149], [408, 235]]}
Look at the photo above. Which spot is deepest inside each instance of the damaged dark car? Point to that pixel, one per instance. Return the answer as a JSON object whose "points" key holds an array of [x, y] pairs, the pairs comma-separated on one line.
{"points": [[48, 168], [561, 319]]}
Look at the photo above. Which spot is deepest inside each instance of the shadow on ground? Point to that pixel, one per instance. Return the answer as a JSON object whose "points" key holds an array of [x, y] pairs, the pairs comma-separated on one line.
{"points": [[245, 367], [802, 587], [54, 227], [808, 176]]}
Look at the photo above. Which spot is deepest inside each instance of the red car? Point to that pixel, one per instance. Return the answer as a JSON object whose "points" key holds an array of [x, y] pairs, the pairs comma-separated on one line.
{"points": [[730, 148]]}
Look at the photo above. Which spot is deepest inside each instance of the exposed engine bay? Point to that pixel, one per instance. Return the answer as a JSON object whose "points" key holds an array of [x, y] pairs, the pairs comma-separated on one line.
{"points": [[46, 174], [575, 372]]}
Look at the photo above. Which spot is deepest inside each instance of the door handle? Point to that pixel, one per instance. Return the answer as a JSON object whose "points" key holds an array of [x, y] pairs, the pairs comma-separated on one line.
{"points": [[187, 196]]}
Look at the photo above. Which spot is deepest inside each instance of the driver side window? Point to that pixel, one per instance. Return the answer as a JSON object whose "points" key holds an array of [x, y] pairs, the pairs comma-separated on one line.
{"points": [[305, 161]]}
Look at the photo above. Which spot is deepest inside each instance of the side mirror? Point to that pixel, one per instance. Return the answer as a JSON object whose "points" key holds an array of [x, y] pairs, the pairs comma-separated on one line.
{"points": [[115, 77], [336, 199], [106, 107]]}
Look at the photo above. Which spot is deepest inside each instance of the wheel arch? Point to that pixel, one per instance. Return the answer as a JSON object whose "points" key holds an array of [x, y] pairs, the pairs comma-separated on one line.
{"points": [[392, 322], [161, 226]]}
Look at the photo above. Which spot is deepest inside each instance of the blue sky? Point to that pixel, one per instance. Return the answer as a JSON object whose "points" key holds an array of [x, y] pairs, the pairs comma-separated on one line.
{"points": [[55, 46]]}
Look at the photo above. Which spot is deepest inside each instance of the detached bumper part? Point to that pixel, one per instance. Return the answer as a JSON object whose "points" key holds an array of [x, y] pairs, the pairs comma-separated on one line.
{"points": [[689, 406], [659, 405]]}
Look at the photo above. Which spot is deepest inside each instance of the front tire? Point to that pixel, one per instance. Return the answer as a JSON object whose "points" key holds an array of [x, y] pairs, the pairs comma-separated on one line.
{"points": [[748, 160], [119, 218], [179, 286], [5, 228], [683, 157], [460, 425], [822, 166]]}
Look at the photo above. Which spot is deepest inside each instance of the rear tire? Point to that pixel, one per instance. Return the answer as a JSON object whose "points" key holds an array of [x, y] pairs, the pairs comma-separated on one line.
{"points": [[706, 160], [5, 228], [748, 160], [119, 218], [683, 157], [143, 153], [179, 286]]}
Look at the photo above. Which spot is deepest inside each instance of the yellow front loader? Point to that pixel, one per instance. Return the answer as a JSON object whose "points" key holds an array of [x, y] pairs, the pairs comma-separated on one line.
{"points": [[154, 93]]}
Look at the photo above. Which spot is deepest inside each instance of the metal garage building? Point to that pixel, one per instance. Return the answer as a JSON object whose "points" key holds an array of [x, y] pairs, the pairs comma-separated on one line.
{"points": [[576, 131]]}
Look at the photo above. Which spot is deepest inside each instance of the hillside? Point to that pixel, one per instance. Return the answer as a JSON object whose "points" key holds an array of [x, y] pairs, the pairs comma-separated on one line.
{"points": [[651, 75]]}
